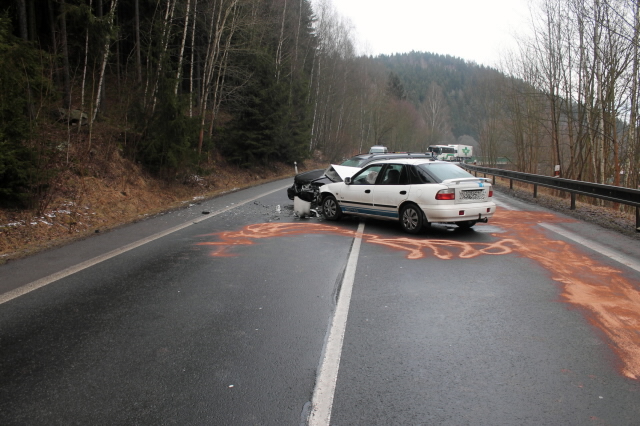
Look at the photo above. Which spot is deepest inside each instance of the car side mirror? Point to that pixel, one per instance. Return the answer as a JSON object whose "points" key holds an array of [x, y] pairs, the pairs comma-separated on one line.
{"points": [[347, 181]]}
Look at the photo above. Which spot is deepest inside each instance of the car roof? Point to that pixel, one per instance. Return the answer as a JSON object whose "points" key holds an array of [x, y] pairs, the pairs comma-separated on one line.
{"points": [[374, 155], [410, 161]]}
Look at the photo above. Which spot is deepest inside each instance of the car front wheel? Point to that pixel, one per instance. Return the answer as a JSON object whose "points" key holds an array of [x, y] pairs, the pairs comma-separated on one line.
{"points": [[411, 219], [330, 208]]}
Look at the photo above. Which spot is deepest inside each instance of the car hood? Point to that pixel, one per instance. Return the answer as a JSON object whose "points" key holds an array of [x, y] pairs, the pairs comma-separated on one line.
{"points": [[309, 176], [345, 171]]}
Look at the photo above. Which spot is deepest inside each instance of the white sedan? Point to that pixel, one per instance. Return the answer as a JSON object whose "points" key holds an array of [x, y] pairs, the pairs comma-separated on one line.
{"points": [[415, 192]]}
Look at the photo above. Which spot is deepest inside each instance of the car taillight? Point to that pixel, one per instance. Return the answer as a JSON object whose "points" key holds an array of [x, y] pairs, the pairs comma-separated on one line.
{"points": [[491, 193], [446, 194]]}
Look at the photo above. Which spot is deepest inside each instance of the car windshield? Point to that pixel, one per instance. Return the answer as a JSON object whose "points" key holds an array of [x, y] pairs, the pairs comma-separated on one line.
{"points": [[444, 171], [354, 162]]}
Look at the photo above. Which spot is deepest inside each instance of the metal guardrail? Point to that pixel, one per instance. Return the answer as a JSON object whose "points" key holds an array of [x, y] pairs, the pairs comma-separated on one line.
{"points": [[617, 194]]}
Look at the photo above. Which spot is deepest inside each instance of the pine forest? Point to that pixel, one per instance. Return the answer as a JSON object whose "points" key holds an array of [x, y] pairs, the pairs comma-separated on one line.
{"points": [[176, 85]]}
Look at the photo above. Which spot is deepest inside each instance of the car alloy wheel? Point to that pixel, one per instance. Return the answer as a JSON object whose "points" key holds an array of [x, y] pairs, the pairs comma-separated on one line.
{"points": [[330, 208], [411, 219]]}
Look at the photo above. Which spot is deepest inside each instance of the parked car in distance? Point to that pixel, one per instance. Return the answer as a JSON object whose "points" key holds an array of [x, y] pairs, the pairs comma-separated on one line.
{"points": [[415, 192], [378, 149], [306, 185]]}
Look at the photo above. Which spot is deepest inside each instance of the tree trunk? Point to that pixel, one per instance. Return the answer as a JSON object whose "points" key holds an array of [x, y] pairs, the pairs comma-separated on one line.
{"points": [[166, 35], [84, 69], [138, 47], [105, 57], [217, 29], [22, 19], [184, 40], [634, 171], [193, 48], [66, 75], [280, 43], [52, 24]]}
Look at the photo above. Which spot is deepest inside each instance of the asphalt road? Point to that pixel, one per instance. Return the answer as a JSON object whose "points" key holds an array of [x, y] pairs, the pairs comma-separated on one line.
{"points": [[234, 317]]}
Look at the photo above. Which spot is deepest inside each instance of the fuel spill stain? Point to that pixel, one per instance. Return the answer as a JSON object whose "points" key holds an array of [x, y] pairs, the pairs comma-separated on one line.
{"points": [[610, 301], [414, 248]]}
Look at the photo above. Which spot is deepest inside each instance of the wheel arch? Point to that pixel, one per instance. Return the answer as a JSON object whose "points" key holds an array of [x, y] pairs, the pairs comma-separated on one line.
{"points": [[407, 202]]}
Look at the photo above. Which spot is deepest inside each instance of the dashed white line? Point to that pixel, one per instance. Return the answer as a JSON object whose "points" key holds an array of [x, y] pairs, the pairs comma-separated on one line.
{"points": [[322, 401]]}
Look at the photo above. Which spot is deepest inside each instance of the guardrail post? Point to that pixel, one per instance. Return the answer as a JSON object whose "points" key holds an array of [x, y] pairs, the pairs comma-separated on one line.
{"points": [[535, 191], [637, 219], [510, 183], [494, 180], [573, 201]]}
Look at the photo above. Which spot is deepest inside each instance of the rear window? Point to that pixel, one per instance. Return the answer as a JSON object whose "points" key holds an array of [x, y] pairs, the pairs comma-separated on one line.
{"points": [[444, 171]]}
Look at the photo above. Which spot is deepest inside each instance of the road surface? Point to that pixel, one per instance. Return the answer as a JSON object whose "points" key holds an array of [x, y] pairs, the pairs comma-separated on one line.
{"points": [[236, 312]]}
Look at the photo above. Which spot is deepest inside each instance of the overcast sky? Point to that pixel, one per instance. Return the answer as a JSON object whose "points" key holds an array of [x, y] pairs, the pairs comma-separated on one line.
{"points": [[474, 30]]}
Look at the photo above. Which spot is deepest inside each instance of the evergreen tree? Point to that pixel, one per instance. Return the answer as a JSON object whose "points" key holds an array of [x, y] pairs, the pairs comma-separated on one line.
{"points": [[395, 87], [20, 76], [168, 147]]}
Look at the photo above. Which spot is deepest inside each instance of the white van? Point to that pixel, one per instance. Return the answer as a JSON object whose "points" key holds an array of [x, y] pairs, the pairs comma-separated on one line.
{"points": [[378, 149]]}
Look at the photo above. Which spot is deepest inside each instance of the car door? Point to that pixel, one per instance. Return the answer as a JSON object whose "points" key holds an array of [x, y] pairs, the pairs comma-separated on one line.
{"points": [[357, 197], [391, 190]]}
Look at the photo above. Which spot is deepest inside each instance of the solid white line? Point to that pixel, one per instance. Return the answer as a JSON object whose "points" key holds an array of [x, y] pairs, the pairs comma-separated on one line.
{"points": [[34, 285], [618, 257], [503, 205], [322, 400]]}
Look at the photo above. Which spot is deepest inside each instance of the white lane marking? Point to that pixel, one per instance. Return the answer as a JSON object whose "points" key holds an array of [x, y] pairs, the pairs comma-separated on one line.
{"points": [[503, 205], [34, 285], [618, 257], [322, 401]]}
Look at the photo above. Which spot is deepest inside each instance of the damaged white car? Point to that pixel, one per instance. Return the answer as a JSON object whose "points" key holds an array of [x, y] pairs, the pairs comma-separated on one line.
{"points": [[414, 192]]}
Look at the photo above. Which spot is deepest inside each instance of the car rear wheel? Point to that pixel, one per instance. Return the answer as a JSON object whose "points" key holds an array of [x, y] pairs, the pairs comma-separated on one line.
{"points": [[411, 219], [466, 224], [330, 208]]}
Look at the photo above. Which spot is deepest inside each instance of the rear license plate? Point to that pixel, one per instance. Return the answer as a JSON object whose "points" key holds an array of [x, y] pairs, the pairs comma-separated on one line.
{"points": [[476, 194]]}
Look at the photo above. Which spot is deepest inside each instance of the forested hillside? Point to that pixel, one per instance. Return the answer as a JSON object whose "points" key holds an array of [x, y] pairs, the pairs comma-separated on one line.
{"points": [[174, 87]]}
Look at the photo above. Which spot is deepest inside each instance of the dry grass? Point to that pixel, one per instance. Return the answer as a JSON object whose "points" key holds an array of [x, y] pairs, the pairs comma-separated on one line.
{"points": [[108, 190]]}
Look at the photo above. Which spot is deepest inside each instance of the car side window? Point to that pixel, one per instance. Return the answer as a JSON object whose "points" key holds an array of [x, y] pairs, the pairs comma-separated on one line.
{"points": [[394, 174], [404, 176], [419, 176], [367, 176]]}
